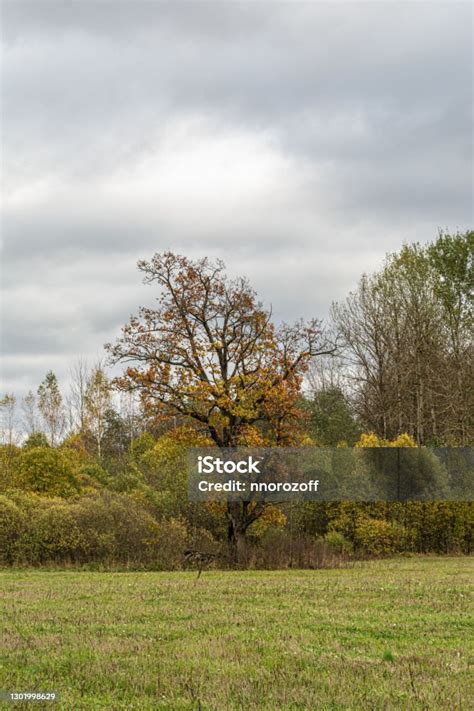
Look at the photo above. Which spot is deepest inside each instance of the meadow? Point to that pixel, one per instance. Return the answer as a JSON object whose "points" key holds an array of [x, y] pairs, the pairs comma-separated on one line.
{"points": [[387, 634]]}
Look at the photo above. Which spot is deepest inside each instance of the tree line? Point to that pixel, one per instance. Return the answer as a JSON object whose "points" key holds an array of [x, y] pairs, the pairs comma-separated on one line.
{"points": [[407, 335], [207, 365]]}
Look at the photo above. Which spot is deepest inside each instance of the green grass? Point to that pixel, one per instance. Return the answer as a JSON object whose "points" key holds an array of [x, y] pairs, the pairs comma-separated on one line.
{"points": [[392, 634]]}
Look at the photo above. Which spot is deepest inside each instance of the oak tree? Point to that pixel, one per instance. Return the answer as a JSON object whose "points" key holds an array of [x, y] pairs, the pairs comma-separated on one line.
{"points": [[209, 353]]}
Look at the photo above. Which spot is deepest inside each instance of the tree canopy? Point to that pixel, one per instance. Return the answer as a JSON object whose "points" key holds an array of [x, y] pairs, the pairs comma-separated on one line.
{"points": [[209, 351]]}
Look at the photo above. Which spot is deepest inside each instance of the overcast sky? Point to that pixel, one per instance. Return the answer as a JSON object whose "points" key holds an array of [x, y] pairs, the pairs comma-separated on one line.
{"points": [[298, 141]]}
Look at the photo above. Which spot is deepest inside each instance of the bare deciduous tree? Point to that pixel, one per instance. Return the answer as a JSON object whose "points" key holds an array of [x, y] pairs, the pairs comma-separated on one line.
{"points": [[97, 403], [50, 405], [30, 413], [8, 419], [408, 339], [80, 375]]}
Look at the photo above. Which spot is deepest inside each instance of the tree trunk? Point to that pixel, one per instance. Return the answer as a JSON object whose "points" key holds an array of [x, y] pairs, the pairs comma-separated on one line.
{"points": [[236, 531]]}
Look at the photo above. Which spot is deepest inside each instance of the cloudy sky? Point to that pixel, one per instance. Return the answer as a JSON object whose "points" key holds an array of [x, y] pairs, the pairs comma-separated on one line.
{"points": [[298, 141]]}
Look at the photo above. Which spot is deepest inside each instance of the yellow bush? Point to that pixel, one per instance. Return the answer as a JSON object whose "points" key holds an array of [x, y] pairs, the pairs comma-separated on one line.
{"points": [[47, 471], [379, 537]]}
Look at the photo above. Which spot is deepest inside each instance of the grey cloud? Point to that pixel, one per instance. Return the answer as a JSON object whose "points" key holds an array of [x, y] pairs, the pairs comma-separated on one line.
{"points": [[298, 141]]}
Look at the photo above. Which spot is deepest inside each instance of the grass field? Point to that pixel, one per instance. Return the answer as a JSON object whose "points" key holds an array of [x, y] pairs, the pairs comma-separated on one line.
{"points": [[392, 634]]}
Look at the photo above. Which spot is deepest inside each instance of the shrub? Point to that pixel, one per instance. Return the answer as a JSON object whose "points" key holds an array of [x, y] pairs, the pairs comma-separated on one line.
{"points": [[337, 543], [47, 471], [107, 528], [55, 533], [272, 517], [92, 474], [12, 528], [279, 549], [379, 537], [141, 444], [116, 528], [36, 439], [8, 457], [171, 542]]}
